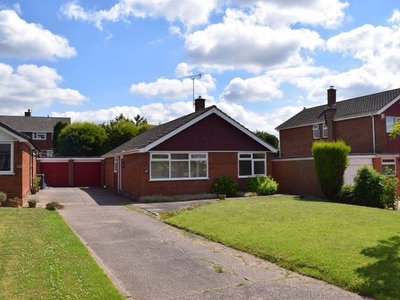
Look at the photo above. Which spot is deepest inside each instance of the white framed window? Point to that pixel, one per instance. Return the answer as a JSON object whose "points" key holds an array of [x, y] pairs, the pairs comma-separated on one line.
{"points": [[389, 166], [251, 164], [181, 165], [6, 158], [390, 122], [39, 135], [115, 164], [50, 153], [324, 131], [315, 131]]}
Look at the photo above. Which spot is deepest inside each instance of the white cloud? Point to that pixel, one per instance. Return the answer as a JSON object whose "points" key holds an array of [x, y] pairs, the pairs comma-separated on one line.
{"points": [[239, 44], [33, 86], [395, 18], [189, 13], [254, 89], [174, 88], [19, 39]]}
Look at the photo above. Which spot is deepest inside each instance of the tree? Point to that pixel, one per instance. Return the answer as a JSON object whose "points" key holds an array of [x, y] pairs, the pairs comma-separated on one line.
{"points": [[330, 160], [395, 132], [56, 132], [269, 138], [82, 139], [122, 129]]}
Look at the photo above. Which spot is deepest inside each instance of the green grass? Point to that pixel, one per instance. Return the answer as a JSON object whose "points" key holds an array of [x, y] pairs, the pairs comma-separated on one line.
{"points": [[356, 248], [41, 258]]}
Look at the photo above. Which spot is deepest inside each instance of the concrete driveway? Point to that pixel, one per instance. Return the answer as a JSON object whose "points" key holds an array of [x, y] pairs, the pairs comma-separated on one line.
{"points": [[148, 259]]}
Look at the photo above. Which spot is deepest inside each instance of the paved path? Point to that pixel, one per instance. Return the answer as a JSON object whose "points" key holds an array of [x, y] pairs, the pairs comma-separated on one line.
{"points": [[148, 259]]}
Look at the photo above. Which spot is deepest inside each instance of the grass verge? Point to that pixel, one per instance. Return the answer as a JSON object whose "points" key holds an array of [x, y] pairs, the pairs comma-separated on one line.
{"points": [[356, 248], [41, 258]]}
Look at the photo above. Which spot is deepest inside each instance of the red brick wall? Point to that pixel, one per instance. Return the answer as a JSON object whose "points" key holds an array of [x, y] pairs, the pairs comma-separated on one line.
{"points": [[357, 133], [18, 185], [296, 177], [136, 182]]}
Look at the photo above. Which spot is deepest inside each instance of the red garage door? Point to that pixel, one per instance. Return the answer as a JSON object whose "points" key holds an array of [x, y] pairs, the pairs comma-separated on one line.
{"points": [[55, 173], [87, 173]]}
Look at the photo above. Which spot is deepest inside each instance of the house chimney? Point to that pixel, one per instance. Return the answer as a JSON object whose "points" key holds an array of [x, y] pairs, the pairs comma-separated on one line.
{"points": [[331, 96], [199, 103], [28, 113]]}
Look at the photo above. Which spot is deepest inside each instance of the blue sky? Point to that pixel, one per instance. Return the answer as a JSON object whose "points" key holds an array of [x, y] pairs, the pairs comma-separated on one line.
{"points": [[261, 61]]}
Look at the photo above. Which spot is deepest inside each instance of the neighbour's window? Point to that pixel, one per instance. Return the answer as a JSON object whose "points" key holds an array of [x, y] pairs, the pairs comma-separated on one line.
{"points": [[325, 131], [178, 166], [389, 166], [6, 158], [315, 131], [251, 164], [390, 122], [39, 135], [115, 164]]}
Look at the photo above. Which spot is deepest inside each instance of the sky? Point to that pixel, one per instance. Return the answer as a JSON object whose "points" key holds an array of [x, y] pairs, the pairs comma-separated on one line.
{"points": [[260, 62]]}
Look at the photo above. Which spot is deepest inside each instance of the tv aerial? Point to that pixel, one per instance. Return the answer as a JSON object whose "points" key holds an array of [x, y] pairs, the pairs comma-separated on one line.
{"points": [[193, 77]]}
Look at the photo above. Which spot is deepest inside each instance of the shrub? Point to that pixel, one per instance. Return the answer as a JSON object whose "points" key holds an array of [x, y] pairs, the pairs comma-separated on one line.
{"points": [[390, 192], [262, 185], [54, 205], [224, 185], [3, 196], [330, 160], [346, 194]]}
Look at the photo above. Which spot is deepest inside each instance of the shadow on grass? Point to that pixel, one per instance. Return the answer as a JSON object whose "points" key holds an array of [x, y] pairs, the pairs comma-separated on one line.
{"points": [[382, 278]]}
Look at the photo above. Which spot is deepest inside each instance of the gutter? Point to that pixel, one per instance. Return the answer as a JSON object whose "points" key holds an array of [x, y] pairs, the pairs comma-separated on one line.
{"points": [[373, 134]]}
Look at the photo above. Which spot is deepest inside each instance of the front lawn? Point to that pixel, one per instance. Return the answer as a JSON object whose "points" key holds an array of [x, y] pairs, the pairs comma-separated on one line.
{"points": [[356, 248], [41, 258]]}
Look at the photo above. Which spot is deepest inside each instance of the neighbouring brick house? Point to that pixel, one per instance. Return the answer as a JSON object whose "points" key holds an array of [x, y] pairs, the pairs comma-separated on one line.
{"points": [[186, 155], [39, 129], [363, 123], [17, 162]]}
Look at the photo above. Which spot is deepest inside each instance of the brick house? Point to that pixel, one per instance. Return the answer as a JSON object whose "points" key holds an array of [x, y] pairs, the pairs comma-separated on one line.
{"points": [[17, 162], [186, 155], [38, 129], [363, 123]]}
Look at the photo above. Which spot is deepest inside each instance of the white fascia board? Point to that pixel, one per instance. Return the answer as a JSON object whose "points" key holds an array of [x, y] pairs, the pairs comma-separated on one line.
{"points": [[382, 110]]}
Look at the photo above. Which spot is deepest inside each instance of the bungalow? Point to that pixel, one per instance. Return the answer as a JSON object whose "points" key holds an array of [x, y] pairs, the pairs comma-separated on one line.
{"points": [[186, 155], [17, 162], [364, 123]]}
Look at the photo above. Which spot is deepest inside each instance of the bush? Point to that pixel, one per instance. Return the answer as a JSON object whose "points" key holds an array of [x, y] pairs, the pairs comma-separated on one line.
{"points": [[224, 185], [374, 189], [346, 194], [262, 185], [54, 205], [3, 196], [330, 160]]}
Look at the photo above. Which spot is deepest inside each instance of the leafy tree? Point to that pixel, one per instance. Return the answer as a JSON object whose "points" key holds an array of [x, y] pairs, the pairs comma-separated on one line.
{"points": [[56, 132], [395, 132], [330, 160], [122, 129], [269, 138], [82, 139]]}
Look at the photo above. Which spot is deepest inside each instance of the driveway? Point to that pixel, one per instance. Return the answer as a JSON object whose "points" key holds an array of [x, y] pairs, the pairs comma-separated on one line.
{"points": [[148, 259]]}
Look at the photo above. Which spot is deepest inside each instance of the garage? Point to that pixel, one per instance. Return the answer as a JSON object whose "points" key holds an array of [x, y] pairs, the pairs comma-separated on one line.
{"points": [[72, 172]]}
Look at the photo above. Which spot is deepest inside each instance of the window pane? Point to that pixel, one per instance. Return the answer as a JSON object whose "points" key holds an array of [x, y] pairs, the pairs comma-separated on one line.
{"points": [[179, 156], [259, 168], [245, 155], [389, 123], [198, 169], [258, 155], [245, 168], [159, 156], [389, 170], [160, 169], [179, 169], [198, 156], [5, 157]]}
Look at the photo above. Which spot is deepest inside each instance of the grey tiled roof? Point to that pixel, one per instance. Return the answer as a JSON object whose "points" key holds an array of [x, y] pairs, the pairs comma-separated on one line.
{"points": [[157, 132], [355, 107], [32, 124], [17, 133]]}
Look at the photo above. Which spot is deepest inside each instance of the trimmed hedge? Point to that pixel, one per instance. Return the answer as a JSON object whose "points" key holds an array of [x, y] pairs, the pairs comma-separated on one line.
{"points": [[330, 160]]}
